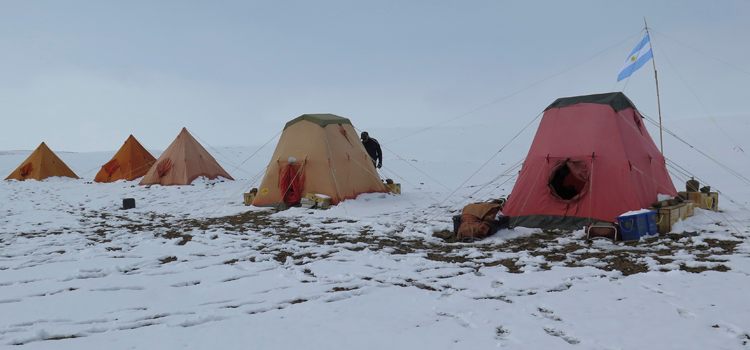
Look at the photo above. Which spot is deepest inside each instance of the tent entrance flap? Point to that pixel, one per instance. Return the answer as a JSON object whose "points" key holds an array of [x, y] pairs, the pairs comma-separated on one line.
{"points": [[26, 169], [568, 180], [111, 166], [291, 183], [164, 167]]}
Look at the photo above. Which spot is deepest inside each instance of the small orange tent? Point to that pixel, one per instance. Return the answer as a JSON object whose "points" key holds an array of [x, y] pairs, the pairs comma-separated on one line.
{"points": [[321, 154], [41, 164], [129, 163], [182, 162]]}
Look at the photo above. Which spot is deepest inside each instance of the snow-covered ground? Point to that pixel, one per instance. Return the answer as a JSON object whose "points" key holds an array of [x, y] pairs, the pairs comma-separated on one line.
{"points": [[191, 267]]}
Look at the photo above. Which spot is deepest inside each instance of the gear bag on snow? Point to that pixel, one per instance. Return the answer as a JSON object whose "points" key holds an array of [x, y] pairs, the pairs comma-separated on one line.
{"points": [[478, 220]]}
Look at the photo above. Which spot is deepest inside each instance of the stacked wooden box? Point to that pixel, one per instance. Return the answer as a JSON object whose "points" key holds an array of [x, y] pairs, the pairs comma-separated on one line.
{"points": [[708, 201], [669, 215], [393, 188], [248, 197], [314, 200]]}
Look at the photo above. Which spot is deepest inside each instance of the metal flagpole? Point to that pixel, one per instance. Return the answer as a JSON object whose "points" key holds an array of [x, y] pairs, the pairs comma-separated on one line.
{"points": [[656, 79]]}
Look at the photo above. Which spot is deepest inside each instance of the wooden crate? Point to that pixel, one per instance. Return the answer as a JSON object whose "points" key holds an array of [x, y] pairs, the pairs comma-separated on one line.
{"points": [[323, 202], [394, 188], [307, 203], [248, 197], [712, 201], [666, 217], [708, 201], [315, 200], [310, 196], [689, 209], [697, 197]]}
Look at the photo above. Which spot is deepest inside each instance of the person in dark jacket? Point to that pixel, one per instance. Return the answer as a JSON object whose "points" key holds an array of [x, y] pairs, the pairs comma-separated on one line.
{"points": [[373, 149]]}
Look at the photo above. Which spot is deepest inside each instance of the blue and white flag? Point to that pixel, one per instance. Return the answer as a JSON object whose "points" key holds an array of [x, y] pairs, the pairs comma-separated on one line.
{"points": [[637, 58]]}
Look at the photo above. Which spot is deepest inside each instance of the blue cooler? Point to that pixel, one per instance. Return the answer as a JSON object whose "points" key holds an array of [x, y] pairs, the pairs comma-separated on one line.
{"points": [[635, 226]]}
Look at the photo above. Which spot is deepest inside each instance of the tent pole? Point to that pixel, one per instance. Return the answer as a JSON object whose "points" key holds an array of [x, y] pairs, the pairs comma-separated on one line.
{"points": [[656, 79]]}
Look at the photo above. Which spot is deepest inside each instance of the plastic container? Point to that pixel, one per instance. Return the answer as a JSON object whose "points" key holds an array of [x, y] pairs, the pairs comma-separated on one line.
{"points": [[128, 203], [634, 225]]}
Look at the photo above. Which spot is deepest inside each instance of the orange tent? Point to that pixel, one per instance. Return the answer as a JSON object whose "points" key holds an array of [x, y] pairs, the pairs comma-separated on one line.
{"points": [[129, 163], [41, 164], [321, 154], [182, 162]]}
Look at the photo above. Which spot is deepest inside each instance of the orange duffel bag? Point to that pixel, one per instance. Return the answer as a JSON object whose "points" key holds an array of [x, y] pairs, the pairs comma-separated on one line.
{"points": [[478, 220]]}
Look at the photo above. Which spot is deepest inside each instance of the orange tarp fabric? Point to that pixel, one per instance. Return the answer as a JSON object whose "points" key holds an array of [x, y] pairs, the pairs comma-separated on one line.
{"points": [[332, 157], [182, 162], [41, 164], [129, 163]]}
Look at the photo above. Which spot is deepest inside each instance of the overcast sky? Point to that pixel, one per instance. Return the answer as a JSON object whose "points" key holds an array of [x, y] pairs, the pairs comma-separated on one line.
{"points": [[82, 75]]}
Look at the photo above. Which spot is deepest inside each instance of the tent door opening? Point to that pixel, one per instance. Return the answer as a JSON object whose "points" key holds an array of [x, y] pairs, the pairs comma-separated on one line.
{"points": [[568, 180], [291, 183]]}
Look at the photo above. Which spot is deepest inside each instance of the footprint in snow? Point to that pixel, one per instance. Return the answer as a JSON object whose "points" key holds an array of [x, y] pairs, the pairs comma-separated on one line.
{"points": [[44, 336], [734, 331], [186, 284], [684, 313], [560, 334], [548, 314], [237, 305], [501, 333], [560, 288], [458, 318], [656, 290]]}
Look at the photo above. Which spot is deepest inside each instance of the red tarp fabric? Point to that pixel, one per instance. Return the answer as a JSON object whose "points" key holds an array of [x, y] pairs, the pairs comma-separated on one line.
{"points": [[291, 180], [26, 169], [111, 166]]}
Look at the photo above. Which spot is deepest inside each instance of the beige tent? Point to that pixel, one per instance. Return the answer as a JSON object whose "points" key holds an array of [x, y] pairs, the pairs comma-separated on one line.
{"points": [[321, 154], [182, 162], [129, 163], [41, 164]]}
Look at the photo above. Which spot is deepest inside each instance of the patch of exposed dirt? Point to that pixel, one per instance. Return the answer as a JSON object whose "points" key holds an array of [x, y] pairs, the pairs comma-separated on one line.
{"points": [[699, 269], [167, 260], [557, 248]]}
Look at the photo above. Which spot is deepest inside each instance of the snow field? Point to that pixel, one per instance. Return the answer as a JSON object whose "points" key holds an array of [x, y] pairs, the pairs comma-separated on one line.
{"points": [[191, 267]]}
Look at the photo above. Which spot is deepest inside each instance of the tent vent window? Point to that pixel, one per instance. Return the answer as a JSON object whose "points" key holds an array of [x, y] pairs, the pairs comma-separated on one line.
{"points": [[565, 184]]}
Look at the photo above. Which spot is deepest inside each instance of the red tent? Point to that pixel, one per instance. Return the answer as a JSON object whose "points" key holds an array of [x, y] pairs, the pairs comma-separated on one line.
{"points": [[592, 159]]}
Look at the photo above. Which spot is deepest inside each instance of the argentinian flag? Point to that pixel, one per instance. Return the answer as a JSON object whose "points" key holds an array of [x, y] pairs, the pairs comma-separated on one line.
{"points": [[637, 58]]}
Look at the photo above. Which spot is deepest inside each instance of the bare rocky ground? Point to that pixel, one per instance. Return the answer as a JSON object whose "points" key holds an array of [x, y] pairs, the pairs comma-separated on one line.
{"points": [[686, 251]]}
